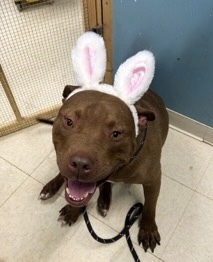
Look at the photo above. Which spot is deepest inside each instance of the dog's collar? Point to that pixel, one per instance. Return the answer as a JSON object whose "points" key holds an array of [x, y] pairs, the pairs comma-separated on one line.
{"points": [[140, 146]]}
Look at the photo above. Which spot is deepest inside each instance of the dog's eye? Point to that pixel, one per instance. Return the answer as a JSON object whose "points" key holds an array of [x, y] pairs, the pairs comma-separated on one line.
{"points": [[69, 121], [116, 135]]}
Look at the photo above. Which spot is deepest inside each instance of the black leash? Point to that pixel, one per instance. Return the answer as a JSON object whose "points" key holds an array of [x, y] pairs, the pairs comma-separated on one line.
{"points": [[131, 217]]}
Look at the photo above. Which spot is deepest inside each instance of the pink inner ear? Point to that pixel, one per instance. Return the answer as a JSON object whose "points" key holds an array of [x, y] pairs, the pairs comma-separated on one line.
{"points": [[136, 79], [142, 120], [88, 56]]}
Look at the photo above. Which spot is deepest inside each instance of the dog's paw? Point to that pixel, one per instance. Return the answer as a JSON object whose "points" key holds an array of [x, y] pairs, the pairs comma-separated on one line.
{"points": [[51, 188], [102, 209], [103, 205], [148, 239], [69, 215], [47, 192]]}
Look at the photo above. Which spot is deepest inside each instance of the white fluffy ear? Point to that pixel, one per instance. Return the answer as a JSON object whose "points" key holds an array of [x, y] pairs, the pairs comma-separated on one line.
{"points": [[89, 59], [134, 76]]}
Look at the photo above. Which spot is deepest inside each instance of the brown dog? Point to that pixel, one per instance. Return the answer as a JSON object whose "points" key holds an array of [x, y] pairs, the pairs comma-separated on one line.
{"points": [[94, 141], [106, 134]]}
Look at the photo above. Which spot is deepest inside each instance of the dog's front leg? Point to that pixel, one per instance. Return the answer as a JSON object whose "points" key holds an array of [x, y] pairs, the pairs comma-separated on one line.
{"points": [[148, 234], [104, 199], [52, 187]]}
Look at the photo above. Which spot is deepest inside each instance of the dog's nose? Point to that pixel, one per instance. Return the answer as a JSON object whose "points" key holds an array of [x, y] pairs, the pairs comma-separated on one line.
{"points": [[80, 165]]}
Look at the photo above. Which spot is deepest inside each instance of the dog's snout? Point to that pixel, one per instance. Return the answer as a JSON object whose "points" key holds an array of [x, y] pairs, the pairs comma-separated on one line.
{"points": [[80, 165]]}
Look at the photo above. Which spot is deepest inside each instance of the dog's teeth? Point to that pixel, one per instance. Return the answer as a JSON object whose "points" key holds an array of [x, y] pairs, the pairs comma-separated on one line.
{"points": [[67, 190], [76, 198]]}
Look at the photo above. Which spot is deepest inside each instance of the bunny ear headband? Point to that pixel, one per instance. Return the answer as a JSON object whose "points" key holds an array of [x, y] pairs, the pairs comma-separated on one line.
{"points": [[132, 78]]}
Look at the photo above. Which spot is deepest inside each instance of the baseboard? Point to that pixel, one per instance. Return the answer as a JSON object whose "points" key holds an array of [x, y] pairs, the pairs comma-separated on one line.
{"points": [[191, 127]]}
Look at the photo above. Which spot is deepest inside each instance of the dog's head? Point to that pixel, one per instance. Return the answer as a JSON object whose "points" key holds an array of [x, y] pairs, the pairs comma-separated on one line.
{"points": [[96, 130]]}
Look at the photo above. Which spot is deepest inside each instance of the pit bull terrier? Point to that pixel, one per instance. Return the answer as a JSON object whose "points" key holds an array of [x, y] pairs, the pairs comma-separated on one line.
{"points": [[105, 134]]}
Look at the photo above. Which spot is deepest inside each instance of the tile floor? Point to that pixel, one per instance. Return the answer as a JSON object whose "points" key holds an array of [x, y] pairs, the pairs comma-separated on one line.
{"points": [[29, 230]]}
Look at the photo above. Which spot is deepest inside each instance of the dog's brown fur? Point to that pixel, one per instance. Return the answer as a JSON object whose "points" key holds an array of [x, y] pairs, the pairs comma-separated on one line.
{"points": [[92, 141]]}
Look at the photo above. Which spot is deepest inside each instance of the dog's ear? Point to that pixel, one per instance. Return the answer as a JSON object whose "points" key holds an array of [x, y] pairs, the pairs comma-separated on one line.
{"points": [[89, 59], [134, 76], [67, 91], [144, 115]]}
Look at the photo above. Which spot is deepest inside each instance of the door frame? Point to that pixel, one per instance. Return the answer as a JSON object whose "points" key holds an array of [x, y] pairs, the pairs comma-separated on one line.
{"points": [[99, 14]]}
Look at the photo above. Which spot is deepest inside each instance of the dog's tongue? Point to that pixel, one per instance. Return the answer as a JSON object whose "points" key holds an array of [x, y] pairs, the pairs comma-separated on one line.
{"points": [[79, 189]]}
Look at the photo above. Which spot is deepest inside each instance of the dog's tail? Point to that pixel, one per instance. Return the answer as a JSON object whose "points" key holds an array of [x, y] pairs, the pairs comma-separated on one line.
{"points": [[45, 121]]}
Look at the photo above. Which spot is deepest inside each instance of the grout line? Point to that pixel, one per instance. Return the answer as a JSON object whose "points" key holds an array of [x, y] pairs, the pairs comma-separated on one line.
{"points": [[186, 207], [193, 194], [179, 182], [175, 229], [201, 194], [104, 223], [148, 251], [14, 191], [204, 173], [14, 166], [43, 184], [161, 260], [41, 162]]}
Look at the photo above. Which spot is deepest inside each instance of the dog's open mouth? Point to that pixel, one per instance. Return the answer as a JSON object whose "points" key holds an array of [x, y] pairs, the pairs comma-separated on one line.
{"points": [[79, 193]]}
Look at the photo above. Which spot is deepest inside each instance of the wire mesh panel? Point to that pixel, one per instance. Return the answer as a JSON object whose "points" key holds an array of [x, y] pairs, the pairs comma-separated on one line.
{"points": [[35, 56], [6, 112]]}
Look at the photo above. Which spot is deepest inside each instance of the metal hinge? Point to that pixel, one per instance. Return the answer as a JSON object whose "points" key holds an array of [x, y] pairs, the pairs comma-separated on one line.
{"points": [[98, 29]]}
